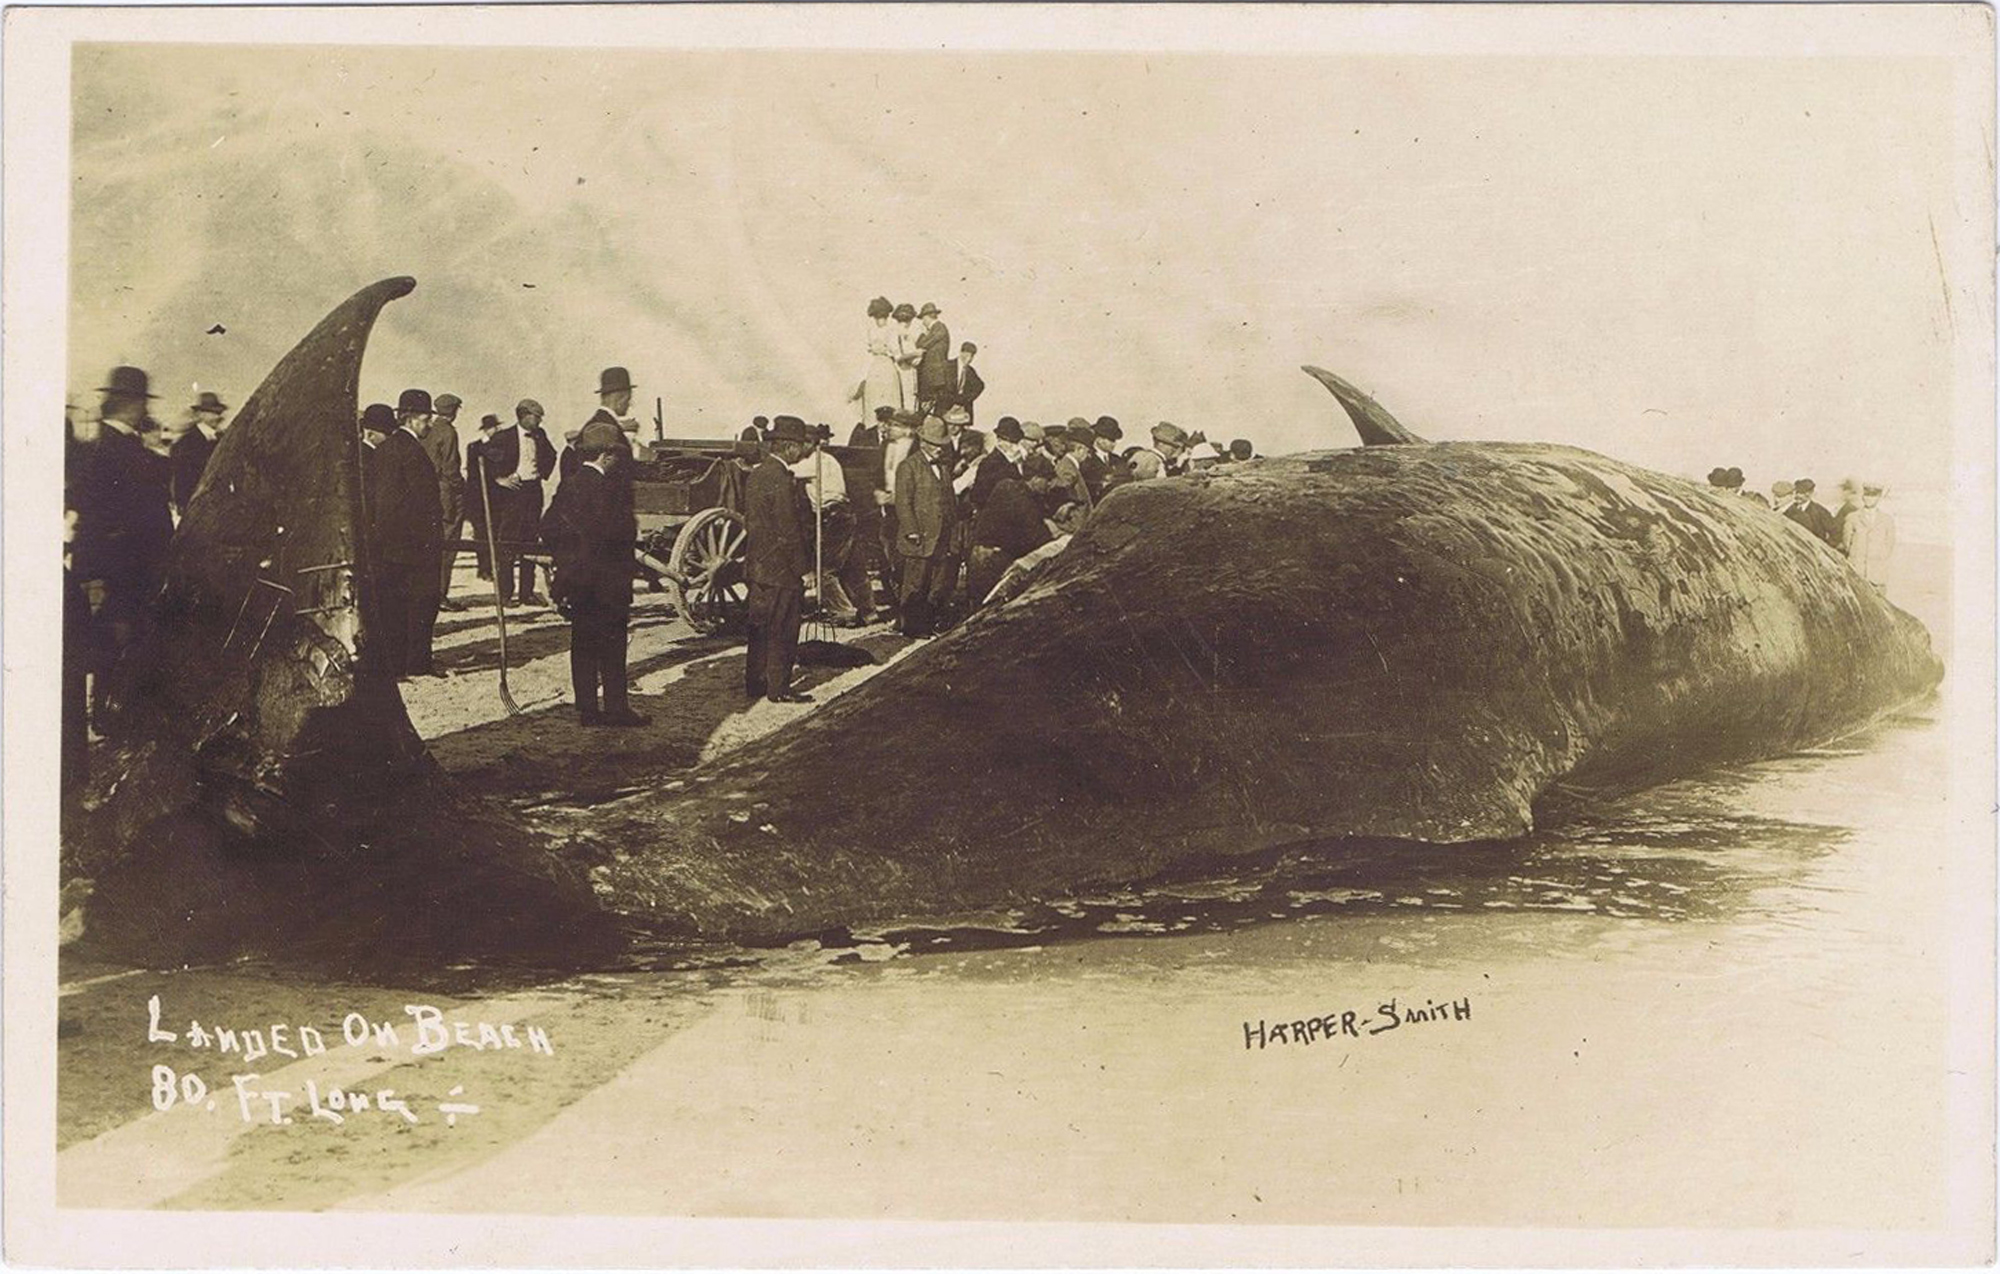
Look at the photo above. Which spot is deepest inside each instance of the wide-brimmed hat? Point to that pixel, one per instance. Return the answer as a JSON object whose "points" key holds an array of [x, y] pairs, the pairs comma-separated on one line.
{"points": [[208, 401], [414, 402], [879, 307], [956, 414], [447, 405], [933, 431], [489, 421], [597, 438], [379, 417], [904, 311], [129, 381], [930, 310], [790, 429], [528, 407], [613, 380], [1009, 430], [1170, 433]]}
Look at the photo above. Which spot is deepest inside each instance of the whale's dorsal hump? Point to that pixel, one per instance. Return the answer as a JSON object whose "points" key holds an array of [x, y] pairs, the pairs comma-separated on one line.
{"points": [[1371, 420]]}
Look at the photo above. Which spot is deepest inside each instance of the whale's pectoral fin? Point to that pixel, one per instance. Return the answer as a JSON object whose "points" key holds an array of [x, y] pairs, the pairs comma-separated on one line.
{"points": [[1371, 420]]}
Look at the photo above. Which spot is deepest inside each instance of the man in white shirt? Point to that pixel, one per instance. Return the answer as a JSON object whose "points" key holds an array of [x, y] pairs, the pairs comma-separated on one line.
{"points": [[843, 586]]}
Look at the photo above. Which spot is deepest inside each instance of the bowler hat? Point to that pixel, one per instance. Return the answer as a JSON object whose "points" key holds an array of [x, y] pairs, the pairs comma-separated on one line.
{"points": [[879, 307], [613, 379], [129, 381], [933, 431], [1009, 430], [413, 402], [1241, 449], [957, 415], [904, 311], [1718, 477], [790, 429], [489, 421], [1170, 433], [1803, 485], [1106, 427], [1733, 477], [447, 404], [209, 402], [930, 310], [379, 417], [597, 438], [528, 407]]}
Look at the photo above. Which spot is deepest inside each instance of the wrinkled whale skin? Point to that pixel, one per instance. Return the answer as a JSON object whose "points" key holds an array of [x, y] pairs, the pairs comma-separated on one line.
{"points": [[1412, 641]]}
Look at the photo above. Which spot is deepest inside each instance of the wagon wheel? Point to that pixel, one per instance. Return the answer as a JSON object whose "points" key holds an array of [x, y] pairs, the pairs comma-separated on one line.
{"points": [[708, 582]]}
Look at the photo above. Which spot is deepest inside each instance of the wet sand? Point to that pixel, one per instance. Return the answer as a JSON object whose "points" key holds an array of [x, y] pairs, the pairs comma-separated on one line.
{"points": [[1721, 1001]]}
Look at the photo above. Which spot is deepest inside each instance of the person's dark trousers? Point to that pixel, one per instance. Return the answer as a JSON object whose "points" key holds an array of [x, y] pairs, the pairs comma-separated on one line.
{"points": [[424, 601], [391, 625], [917, 610], [892, 558], [983, 572], [774, 639], [846, 559], [75, 716], [597, 659]]}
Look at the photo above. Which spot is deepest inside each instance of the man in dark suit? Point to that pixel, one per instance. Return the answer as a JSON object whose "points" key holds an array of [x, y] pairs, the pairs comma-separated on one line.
{"points": [[934, 367], [776, 558], [591, 527], [1102, 468], [406, 526], [123, 523], [872, 433], [927, 526], [477, 497], [1811, 514], [963, 387], [518, 460], [189, 457]]}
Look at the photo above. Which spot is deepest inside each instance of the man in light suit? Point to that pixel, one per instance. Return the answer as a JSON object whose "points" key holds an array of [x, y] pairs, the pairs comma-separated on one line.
{"points": [[518, 460], [927, 524], [776, 558]]}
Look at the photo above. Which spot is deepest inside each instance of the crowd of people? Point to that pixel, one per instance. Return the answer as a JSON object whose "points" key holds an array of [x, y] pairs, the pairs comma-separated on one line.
{"points": [[951, 509], [1859, 528]]}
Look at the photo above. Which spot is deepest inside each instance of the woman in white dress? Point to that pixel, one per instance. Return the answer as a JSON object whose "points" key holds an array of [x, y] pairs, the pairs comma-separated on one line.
{"points": [[907, 353], [883, 386]]}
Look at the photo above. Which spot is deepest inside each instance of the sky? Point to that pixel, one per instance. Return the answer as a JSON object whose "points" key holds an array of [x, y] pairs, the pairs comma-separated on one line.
{"points": [[1680, 262]]}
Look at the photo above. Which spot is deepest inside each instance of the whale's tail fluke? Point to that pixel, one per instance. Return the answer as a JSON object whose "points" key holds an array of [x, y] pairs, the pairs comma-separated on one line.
{"points": [[1371, 420]]}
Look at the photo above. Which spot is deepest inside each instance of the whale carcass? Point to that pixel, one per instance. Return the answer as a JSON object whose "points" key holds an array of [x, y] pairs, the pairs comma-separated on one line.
{"points": [[1408, 640]]}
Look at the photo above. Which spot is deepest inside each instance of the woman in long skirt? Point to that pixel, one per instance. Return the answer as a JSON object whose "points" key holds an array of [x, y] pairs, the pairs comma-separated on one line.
{"points": [[883, 387], [907, 353]]}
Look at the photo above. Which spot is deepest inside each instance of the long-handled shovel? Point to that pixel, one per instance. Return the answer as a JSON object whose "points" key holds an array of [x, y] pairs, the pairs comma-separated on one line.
{"points": [[499, 601], [822, 648]]}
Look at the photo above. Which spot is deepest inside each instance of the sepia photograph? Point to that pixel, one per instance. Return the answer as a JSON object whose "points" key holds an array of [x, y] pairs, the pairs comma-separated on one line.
{"points": [[1008, 635]]}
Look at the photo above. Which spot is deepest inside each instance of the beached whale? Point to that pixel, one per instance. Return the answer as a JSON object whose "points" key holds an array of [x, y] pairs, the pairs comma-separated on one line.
{"points": [[1413, 641]]}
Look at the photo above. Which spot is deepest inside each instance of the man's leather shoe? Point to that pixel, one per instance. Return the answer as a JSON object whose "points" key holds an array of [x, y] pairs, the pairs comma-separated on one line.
{"points": [[625, 718], [792, 696]]}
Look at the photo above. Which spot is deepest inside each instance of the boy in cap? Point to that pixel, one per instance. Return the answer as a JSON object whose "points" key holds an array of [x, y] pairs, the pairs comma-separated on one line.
{"points": [[776, 558], [592, 530], [440, 439]]}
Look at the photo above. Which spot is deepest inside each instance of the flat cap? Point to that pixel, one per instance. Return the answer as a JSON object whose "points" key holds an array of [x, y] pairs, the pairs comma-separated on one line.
{"points": [[528, 406], [448, 404], [1030, 430], [598, 437], [1168, 432]]}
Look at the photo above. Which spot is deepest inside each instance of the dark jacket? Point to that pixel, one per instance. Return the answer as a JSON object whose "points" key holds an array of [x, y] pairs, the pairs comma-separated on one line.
{"points": [[775, 553], [123, 525], [186, 461], [866, 436], [1009, 518], [990, 470], [592, 532], [956, 395], [517, 511], [934, 369], [926, 509], [405, 515], [1101, 473], [440, 445], [1814, 517]]}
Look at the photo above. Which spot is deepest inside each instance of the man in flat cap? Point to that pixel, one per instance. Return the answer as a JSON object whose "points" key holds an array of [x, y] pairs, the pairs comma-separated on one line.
{"points": [[123, 522], [934, 373], [1163, 458], [407, 522], [188, 458], [440, 439], [593, 532], [964, 386], [519, 459], [777, 555], [927, 530]]}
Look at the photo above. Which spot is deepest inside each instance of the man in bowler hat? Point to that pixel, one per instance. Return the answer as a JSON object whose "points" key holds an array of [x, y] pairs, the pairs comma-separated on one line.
{"points": [[406, 526], [188, 458], [593, 532], [927, 530], [123, 523], [776, 558]]}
